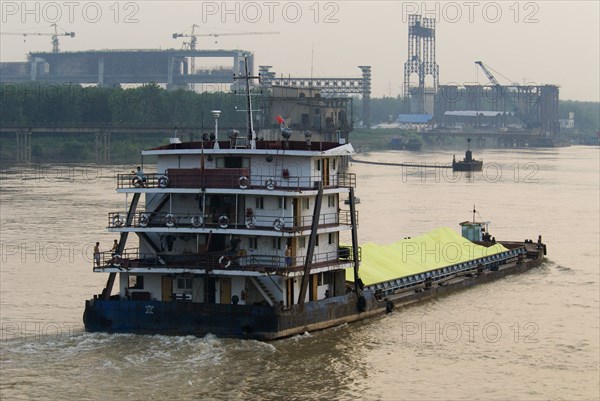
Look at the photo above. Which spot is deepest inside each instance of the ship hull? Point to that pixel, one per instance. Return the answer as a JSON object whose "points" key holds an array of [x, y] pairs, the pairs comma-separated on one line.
{"points": [[270, 322], [464, 166]]}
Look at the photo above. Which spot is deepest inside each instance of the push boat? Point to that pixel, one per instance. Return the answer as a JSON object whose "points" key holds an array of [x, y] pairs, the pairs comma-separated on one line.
{"points": [[241, 238], [467, 163]]}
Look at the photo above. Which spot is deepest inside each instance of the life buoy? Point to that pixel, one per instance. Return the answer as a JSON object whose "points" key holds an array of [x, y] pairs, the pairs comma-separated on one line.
{"points": [[118, 221], [223, 221], [163, 181], [270, 184], [196, 221], [144, 220], [116, 260], [244, 182], [278, 224], [170, 220], [250, 222], [137, 181], [225, 261]]}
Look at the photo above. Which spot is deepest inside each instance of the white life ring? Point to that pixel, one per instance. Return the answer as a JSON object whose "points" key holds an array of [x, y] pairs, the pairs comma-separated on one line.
{"points": [[223, 221], [144, 219], [225, 261], [116, 260], [118, 221], [278, 224], [170, 220], [196, 221], [270, 184], [244, 182], [137, 181], [250, 222], [163, 181]]}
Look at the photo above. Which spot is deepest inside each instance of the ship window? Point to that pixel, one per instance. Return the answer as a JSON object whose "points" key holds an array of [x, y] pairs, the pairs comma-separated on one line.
{"points": [[331, 200], [260, 203], [252, 243], [276, 243], [302, 242], [283, 202], [306, 203], [331, 238], [233, 162], [184, 283], [136, 282]]}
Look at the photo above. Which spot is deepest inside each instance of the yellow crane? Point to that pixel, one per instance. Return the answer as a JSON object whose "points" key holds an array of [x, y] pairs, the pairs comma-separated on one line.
{"points": [[194, 37], [54, 35]]}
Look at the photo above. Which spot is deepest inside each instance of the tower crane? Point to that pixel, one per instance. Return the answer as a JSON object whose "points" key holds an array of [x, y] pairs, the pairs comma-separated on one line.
{"points": [[194, 37], [509, 99], [54, 35]]}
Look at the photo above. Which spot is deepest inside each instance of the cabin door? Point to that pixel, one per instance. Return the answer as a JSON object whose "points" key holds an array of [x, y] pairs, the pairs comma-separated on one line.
{"points": [[225, 284], [293, 249], [297, 212], [312, 290], [325, 172], [167, 288]]}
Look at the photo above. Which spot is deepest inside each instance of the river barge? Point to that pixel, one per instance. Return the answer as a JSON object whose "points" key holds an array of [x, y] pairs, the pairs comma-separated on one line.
{"points": [[241, 238], [244, 242]]}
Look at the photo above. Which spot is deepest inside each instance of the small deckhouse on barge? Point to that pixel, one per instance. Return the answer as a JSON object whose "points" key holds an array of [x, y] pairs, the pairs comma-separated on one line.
{"points": [[241, 238]]}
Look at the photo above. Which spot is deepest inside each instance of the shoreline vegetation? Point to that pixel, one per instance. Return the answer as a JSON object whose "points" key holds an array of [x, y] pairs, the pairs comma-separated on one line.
{"points": [[36, 104]]}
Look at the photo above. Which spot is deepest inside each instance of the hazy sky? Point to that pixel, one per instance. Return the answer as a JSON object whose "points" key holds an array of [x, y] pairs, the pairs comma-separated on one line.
{"points": [[555, 42]]}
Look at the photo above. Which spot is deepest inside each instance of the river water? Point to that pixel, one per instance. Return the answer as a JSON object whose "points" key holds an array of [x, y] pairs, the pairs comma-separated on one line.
{"points": [[528, 337]]}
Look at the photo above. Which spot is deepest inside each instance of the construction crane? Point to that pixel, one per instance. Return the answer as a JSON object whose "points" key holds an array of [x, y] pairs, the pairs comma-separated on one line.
{"points": [[54, 35], [194, 38], [501, 92]]}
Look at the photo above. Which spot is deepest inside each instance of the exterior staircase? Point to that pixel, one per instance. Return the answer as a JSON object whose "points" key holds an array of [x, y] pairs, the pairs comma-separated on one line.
{"points": [[264, 290]]}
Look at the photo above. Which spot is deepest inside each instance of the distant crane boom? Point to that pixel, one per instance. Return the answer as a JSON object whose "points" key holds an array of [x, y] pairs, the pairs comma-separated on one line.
{"points": [[194, 38], [54, 35], [488, 74], [509, 99]]}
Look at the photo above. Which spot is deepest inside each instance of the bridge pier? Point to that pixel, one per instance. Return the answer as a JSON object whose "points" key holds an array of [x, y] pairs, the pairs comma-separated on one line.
{"points": [[24, 146], [102, 147]]}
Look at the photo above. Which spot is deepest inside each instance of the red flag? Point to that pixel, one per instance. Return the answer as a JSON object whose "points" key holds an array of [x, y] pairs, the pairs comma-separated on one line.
{"points": [[279, 119]]}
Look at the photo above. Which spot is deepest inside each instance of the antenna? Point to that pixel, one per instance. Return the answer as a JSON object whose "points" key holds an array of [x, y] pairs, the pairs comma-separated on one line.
{"points": [[312, 63]]}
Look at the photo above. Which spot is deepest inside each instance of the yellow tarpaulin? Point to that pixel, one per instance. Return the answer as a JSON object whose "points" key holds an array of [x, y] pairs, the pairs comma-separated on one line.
{"points": [[438, 248]]}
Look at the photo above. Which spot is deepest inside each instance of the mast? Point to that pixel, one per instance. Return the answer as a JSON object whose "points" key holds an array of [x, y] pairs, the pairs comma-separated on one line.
{"points": [[251, 134]]}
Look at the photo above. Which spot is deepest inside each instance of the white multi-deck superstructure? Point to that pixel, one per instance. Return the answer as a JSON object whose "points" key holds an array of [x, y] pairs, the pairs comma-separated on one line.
{"points": [[228, 224]]}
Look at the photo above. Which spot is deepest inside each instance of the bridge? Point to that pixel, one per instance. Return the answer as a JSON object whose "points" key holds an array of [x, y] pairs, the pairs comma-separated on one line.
{"points": [[103, 133]]}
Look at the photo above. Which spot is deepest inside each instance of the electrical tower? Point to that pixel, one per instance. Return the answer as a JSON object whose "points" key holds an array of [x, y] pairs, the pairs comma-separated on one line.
{"points": [[421, 61]]}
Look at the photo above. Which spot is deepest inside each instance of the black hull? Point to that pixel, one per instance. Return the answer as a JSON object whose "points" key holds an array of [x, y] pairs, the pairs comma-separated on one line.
{"points": [[463, 166], [266, 322]]}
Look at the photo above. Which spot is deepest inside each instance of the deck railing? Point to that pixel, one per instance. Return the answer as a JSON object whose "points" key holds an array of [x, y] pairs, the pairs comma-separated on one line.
{"points": [[233, 179], [145, 219], [237, 260]]}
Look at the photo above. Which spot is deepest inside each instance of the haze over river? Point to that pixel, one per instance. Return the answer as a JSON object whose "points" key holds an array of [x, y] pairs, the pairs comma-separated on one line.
{"points": [[527, 337]]}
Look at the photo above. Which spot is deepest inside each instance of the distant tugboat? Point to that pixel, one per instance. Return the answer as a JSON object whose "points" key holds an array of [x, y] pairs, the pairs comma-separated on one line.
{"points": [[468, 163]]}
